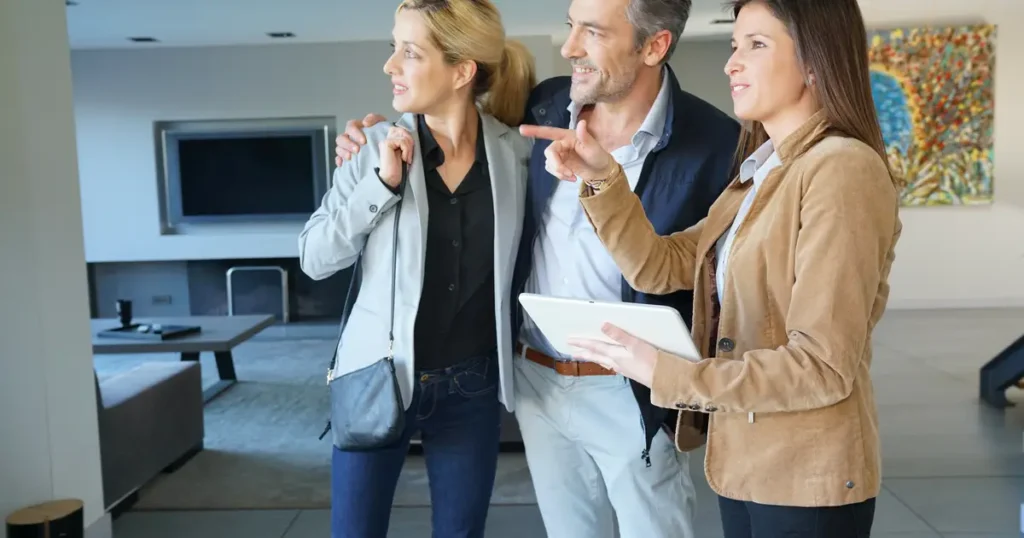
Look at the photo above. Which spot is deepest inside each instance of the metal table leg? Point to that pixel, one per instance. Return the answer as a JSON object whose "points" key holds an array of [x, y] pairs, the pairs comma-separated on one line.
{"points": [[225, 373], [1000, 373]]}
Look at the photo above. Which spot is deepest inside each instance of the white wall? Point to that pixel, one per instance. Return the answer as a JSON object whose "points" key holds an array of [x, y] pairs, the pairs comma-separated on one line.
{"points": [[119, 94], [49, 445]]}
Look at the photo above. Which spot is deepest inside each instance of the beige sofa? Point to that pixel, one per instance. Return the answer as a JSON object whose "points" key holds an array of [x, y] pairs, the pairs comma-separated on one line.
{"points": [[151, 421]]}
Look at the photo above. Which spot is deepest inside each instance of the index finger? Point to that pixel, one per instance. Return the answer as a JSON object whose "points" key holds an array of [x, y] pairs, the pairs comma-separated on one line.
{"points": [[547, 133]]}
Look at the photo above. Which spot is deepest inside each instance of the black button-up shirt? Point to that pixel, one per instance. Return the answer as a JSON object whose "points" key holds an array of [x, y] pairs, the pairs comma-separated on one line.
{"points": [[456, 319]]}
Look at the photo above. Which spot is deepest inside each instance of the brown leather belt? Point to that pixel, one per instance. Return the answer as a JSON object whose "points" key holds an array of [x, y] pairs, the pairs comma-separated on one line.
{"points": [[569, 368]]}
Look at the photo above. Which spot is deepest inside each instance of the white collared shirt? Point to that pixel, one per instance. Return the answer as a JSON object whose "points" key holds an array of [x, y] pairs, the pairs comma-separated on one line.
{"points": [[569, 259], [756, 168]]}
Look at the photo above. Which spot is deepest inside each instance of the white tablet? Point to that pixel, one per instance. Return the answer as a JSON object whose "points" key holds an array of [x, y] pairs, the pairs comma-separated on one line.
{"points": [[561, 318]]}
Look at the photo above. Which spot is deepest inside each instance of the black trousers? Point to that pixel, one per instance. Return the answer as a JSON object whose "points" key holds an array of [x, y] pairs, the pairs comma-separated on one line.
{"points": [[742, 519]]}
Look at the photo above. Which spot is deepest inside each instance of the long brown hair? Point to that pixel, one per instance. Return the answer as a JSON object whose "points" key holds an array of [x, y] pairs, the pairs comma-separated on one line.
{"points": [[831, 42], [472, 30]]}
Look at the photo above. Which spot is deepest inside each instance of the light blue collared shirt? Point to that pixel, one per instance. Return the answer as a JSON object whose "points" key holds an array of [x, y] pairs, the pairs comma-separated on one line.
{"points": [[756, 167], [569, 259]]}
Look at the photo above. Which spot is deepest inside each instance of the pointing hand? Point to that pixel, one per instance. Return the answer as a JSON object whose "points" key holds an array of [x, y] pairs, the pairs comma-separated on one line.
{"points": [[573, 153]]}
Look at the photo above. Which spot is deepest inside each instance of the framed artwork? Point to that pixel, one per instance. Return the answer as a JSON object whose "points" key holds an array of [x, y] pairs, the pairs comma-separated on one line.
{"points": [[933, 90]]}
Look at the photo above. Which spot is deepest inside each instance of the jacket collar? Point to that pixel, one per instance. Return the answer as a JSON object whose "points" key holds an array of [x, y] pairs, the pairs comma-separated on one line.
{"points": [[808, 134], [764, 155]]}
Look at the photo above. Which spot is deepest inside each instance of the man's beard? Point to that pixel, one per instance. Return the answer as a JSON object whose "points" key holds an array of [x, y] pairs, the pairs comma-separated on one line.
{"points": [[607, 90]]}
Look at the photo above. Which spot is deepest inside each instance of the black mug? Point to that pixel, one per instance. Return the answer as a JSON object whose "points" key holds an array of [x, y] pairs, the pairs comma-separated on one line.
{"points": [[124, 312]]}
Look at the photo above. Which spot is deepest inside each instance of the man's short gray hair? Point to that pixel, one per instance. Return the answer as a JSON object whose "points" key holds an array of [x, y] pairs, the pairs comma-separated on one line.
{"points": [[649, 17]]}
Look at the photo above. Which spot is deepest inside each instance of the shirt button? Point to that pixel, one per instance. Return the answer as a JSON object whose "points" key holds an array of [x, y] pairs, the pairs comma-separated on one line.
{"points": [[451, 287], [455, 242], [849, 484], [373, 209], [453, 201], [726, 345]]}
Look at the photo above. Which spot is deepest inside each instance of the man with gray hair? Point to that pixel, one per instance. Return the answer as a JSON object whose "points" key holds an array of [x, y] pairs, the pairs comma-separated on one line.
{"points": [[600, 454], [596, 446]]}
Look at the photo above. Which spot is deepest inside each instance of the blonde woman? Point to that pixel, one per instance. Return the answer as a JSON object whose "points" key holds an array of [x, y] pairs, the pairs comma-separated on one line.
{"points": [[462, 89]]}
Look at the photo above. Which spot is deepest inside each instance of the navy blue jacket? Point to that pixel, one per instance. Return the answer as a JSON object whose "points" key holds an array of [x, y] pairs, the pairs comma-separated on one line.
{"points": [[680, 179]]}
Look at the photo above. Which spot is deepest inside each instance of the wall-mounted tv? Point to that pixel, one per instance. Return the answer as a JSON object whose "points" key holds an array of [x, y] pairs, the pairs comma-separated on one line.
{"points": [[243, 170]]}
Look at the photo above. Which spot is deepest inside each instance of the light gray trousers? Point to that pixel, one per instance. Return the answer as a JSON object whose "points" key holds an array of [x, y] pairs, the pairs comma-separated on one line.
{"points": [[583, 439]]}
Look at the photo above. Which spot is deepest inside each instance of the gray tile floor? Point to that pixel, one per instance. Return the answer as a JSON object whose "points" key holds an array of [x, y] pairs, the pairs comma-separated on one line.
{"points": [[953, 468]]}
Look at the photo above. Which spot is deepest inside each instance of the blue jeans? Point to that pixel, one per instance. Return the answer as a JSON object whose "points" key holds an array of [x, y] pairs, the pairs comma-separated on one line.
{"points": [[457, 412]]}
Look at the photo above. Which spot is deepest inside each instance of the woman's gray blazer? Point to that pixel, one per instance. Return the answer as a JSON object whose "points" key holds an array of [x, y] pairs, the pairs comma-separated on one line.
{"points": [[359, 209]]}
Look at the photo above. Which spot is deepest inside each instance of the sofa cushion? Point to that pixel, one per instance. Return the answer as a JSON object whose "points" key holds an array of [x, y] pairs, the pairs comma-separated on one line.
{"points": [[121, 387]]}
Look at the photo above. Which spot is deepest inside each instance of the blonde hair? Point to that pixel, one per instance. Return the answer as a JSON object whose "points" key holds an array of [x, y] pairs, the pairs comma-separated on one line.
{"points": [[472, 30]]}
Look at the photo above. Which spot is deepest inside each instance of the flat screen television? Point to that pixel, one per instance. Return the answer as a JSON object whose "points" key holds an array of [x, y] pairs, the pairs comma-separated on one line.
{"points": [[244, 171]]}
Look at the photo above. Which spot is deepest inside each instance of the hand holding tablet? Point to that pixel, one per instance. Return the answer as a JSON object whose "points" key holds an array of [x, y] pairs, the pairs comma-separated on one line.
{"points": [[623, 337]]}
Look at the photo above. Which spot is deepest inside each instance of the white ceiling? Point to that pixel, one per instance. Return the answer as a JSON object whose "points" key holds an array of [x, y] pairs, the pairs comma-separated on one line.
{"points": [[109, 23]]}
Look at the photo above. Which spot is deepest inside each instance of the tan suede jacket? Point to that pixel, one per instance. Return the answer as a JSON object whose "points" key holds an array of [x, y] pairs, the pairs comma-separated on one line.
{"points": [[785, 380]]}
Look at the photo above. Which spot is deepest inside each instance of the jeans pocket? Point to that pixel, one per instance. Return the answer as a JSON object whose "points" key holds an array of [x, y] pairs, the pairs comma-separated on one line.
{"points": [[476, 381]]}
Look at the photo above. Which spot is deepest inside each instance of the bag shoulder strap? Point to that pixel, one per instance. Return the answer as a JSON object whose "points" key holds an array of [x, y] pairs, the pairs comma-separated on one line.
{"points": [[355, 282]]}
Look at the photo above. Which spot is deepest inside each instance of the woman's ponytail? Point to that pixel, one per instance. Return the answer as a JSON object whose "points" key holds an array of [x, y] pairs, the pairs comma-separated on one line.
{"points": [[471, 30], [511, 84]]}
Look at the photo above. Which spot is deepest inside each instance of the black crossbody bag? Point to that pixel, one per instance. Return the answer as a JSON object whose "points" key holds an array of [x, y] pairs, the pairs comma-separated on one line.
{"points": [[366, 404]]}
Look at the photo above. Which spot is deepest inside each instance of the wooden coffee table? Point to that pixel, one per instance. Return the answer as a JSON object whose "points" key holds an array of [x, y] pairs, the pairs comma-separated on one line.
{"points": [[220, 334]]}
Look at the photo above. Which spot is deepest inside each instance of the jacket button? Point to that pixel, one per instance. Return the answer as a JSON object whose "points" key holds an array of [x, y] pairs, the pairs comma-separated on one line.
{"points": [[681, 405], [849, 484], [373, 209], [726, 345], [695, 407], [541, 111], [710, 408]]}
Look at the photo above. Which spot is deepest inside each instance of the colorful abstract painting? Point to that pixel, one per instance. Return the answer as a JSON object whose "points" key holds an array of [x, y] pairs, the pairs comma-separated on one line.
{"points": [[933, 89]]}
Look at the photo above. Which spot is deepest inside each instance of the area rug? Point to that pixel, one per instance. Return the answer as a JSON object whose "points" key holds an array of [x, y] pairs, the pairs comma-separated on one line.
{"points": [[261, 447]]}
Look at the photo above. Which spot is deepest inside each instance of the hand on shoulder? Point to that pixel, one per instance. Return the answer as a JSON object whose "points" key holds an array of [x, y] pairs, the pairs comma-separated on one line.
{"points": [[348, 143]]}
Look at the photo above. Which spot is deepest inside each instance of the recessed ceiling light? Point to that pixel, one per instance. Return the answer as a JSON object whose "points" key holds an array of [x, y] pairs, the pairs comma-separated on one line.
{"points": [[143, 39], [280, 35]]}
